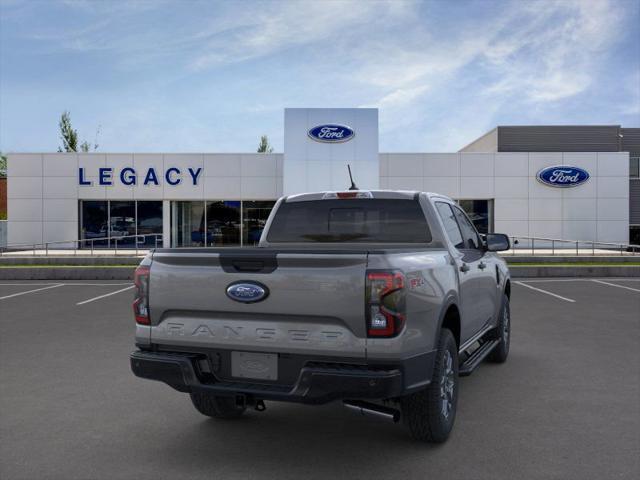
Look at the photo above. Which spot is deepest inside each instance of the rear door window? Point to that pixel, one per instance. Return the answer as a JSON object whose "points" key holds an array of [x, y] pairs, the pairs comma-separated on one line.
{"points": [[469, 235], [450, 225]]}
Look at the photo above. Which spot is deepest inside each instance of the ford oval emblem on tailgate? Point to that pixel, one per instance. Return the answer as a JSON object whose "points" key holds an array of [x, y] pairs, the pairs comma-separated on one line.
{"points": [[247, 292]]}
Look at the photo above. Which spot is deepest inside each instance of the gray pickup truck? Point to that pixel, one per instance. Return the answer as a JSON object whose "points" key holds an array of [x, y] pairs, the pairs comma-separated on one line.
{"points": [[379, 299]]}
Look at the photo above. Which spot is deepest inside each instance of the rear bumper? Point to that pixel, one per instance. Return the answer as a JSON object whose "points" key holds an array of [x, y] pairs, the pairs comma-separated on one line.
{"points": [[317, 382]]}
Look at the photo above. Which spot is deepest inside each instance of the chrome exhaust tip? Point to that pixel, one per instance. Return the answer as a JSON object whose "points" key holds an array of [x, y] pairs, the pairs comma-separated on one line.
{"points": [[368, 409]]}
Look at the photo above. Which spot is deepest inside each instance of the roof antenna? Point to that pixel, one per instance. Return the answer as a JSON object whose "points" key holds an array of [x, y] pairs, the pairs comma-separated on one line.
{"points": [[353, 185]]}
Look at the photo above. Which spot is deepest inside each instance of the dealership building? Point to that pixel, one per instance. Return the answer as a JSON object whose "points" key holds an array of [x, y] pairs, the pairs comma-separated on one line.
{"points": [[565, 182]]}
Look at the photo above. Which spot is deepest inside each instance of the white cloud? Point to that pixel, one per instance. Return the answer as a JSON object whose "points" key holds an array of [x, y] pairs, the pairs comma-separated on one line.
{"points": [[287, 25], [439, 75], [555, 52], [401, 97]]}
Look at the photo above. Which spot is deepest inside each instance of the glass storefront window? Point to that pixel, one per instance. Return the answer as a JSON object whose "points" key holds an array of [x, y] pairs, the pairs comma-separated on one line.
{"points": [[187, 224], [229, 223], [254, 218], [223, 223], [94, 222], [149, 221], [122, 222], [480, 212]]}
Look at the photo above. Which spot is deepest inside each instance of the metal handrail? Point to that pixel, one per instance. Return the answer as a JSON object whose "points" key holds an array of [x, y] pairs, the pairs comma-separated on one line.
{"points": [[591, 245], [78, 242]]}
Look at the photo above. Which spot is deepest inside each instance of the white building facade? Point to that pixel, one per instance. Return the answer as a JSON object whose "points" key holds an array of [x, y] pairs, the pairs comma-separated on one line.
{"points": [[210, 199]]}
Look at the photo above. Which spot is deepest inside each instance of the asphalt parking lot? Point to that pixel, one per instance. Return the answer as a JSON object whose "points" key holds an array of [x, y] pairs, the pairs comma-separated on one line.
{"points": [[565, 405]]}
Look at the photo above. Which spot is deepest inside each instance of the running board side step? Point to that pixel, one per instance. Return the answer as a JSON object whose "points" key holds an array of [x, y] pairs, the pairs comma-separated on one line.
{"points": [[470, 364]]}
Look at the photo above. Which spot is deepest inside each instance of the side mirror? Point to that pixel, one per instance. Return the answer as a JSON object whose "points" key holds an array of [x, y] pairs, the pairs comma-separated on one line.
{"points": [[497, 242]]}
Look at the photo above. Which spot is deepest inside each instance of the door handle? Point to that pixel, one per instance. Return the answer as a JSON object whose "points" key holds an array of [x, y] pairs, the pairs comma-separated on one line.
{"points": [[482, 265], [464, 268]]}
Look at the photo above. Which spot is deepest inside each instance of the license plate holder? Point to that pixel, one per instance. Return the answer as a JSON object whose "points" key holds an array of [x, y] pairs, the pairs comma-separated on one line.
{"points": [[255, 366]]}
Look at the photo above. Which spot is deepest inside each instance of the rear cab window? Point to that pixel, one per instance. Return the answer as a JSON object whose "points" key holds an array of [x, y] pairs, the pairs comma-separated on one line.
{"points": [[358, 220]]}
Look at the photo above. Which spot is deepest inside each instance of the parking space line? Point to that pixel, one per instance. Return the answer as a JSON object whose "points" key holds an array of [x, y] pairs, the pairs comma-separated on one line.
{"points": [[553, 280], [31, 291], [67, 284], [105, 295], [546, 292], [615, 285]]}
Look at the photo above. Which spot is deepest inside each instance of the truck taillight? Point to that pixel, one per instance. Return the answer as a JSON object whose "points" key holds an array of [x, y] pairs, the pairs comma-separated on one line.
{"points": [[385, 307], [141, 297]]}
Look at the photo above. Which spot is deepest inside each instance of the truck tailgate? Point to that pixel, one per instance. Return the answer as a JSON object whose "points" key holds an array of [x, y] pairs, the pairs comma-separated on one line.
{"points": [[315, 303]]}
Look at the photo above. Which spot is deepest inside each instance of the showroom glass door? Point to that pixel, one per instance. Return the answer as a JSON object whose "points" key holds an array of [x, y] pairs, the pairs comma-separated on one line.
{"points": [[94, 223], [187, 224], [254, 218], [122, 223], [148, 222], [223, 223]]}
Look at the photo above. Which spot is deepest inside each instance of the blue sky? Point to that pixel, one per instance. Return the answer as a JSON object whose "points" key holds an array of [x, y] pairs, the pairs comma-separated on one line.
{"points": [[187, 76]]}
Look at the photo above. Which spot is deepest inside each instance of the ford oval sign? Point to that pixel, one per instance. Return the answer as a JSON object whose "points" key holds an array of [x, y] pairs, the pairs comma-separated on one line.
{"points": [[563, 176], [331, 133], [247, 292]]}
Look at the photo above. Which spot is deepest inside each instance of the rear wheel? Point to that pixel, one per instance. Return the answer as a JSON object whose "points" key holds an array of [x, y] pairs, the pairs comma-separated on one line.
{"points": [[430, 413], [216, 406], [502, 333]]}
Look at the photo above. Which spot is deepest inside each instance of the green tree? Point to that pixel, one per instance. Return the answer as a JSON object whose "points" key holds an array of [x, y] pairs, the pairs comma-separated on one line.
{"points": [[3, 165], [69, 136], [264, 146]]}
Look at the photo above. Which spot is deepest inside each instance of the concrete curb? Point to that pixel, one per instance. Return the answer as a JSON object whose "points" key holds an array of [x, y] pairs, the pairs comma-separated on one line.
{"points": [[67, 273], [126, 272], [70, 260], [569, 259], [574, 271]]}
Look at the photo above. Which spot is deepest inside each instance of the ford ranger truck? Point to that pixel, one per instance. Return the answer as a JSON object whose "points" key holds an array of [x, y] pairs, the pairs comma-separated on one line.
{"points": [[378, 299]]}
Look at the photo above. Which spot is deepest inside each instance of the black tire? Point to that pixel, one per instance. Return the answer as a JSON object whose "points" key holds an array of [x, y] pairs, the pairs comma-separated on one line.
{"points": [[215, 406], [503, 333], [424, 411]]}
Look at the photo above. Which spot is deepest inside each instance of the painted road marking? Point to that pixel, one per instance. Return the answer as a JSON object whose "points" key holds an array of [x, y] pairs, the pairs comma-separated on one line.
{"points": [[105, 295], [32, 291], [545, 280], [68, 284], [616, 285], [545, 291]]}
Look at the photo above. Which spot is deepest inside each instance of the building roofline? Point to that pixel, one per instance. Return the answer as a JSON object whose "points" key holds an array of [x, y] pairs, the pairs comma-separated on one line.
{"points": [[559, 125], [478, 138]]}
